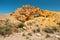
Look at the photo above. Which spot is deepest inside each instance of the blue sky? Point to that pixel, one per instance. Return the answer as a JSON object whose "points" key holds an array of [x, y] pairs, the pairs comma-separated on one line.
{"points": [[7, 6]]}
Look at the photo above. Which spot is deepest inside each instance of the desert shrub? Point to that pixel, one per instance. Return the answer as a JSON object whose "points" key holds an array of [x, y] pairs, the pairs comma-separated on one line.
{"points": [[16, 30], [5, 31], [23, 34], [47, 36], [6, 28], [36, 25], [48, 30], [43, 19], [58, 23], [27, 37], [30, 34], [8, 23], [36, 30], [29, 24], [54, 29], [21, 25]]}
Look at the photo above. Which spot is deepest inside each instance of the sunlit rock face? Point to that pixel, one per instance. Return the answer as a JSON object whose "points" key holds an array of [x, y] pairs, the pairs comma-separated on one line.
{"points": [[27, 12]]}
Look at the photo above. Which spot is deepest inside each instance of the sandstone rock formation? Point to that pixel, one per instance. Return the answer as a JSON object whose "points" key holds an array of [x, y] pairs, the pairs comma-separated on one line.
{"points": [[31, 15], [30, 20], [27, 13], [30, 12]]}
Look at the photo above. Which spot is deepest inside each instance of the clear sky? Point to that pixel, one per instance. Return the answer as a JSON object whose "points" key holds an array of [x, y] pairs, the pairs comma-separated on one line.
{"points": [[7, 6]]}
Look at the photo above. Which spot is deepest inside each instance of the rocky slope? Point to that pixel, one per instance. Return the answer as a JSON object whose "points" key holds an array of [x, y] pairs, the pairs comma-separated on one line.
{"points": [[32, 23], [31, 13]]}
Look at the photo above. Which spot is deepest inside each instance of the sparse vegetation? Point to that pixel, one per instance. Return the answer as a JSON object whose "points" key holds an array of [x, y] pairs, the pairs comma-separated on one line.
{"points": [[51, 30], [54, 29], [48, 30], [35, 20], [23, 34], [58, 23], [21, 25], [47, 36], [33, 31], [5, 31], [27, 37], [36, 30], [30, 34], [43, 19], [29, 24], [37, 25], [6, 28]]}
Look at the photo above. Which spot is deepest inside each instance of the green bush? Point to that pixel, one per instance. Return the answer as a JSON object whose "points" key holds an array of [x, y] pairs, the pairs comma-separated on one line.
{"points": [[21, 25], [6, 28], [5, 31]]}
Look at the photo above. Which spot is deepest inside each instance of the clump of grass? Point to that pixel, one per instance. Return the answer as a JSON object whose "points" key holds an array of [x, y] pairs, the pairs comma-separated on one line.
{"points": [[5, 31], [27, 37], [23, 34], [43, 19], [16, 30], [21, 25], [58, 23], [30, 34], [6, 28], [48, 30], [29, 24], [54, 29], [47, 36], [36, 30]]}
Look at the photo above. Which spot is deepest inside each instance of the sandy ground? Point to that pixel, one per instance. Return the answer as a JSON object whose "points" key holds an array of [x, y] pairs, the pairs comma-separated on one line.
{"points": [[4, 16], [36, 36], [18, 36]]}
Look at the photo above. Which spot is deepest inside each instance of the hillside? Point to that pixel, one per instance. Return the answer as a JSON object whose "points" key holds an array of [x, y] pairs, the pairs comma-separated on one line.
{"points": [[30, 23]]}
